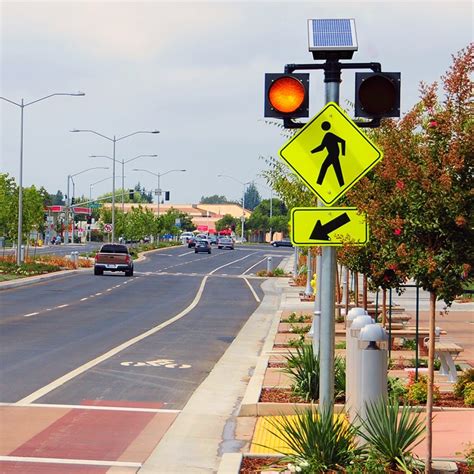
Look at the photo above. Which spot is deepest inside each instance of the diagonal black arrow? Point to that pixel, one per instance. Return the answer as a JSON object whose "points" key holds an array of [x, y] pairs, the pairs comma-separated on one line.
{"points": [[320, 232]]}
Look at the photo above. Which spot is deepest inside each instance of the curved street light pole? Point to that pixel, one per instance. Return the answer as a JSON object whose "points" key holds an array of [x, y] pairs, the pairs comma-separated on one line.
{"points": [[22, 105], [68, 208], [243, 201], [114, 140], [123, 171], [158, 190]]}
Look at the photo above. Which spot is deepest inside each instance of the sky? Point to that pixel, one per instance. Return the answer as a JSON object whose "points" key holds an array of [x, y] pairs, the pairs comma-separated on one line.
{"points": [[192, 70]]}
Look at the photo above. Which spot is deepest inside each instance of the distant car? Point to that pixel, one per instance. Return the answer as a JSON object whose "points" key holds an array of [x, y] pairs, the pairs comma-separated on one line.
{"points": [[282, 243], [225, 243], [202, 245], [213, 239], [185, 236], [191, 242], [113, 258]]}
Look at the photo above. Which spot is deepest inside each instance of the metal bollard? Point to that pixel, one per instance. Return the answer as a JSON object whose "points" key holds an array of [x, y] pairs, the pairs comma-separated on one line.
{"points": [[353, 363], [75, 259], [269, 264], [373, 341], [22, 253]]}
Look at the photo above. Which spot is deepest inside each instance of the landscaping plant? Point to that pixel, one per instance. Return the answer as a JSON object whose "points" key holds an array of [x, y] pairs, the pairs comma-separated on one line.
{"points": [[316, 442], [417, 390], [391, 431], [466, 377]]}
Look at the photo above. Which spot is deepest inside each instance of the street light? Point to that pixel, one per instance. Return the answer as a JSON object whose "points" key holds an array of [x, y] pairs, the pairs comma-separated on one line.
{"points": [[114, 140], [243, 199], [69, 178], [123, 170], [22, 105], [158, 191]]}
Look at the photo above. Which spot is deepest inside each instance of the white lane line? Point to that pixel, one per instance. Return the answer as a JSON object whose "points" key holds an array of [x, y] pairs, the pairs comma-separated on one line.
{"points": [[83, 368], [85, 462], [187, 253], [84, 299], [260, 261], [108, 289], [230, 263], [95, 407], [48, 309], [98, 294], [62, 306], [30, 314], [252, 290]]}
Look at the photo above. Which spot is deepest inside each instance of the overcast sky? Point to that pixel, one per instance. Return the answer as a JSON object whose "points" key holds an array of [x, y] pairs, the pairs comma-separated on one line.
{"points": [[194, 71]]}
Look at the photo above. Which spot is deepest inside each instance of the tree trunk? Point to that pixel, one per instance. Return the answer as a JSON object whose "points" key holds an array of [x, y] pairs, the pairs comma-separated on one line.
{"points": [[364, 292], [347, 294], [356, 289], [429, 400], [384, 306]]}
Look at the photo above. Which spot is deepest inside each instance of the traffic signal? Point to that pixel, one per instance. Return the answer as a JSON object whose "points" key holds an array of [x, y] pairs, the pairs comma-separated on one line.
{"points": [[89, 219], [167, 195], [286, 95], [377, 94], [73, 201], [131, 194]]}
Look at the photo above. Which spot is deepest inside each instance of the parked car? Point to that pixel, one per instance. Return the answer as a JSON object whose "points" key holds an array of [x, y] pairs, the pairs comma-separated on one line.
{"points": [[213, 239], [113, 258], [225, 243], [202, 245], [282, 243]]}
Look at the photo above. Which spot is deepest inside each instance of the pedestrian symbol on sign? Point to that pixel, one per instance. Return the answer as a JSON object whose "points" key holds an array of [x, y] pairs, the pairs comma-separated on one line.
{"points": [[331, 144]]}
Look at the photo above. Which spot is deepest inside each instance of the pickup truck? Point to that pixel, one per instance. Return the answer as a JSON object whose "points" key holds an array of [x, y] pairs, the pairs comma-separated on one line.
{"points": [[113, 258]]}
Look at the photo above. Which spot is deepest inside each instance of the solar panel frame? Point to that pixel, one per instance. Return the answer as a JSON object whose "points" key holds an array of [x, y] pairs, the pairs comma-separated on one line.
{"points": [[332, 34]]}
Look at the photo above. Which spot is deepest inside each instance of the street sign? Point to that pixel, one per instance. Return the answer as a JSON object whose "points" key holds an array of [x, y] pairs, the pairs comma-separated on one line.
{"points": [[328, 226], [94, 205], [107, 227], [330, 153]]}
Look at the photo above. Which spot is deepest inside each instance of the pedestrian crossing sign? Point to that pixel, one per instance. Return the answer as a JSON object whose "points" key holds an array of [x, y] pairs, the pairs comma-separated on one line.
{"points": [[330, 153]]}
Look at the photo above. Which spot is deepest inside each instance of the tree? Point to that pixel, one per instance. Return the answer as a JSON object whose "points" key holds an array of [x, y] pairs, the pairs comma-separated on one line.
{"points": [[214, 199], [227, 222], [419, 199], [8, 206], [57, 199], [251, 197], [260, 221]]}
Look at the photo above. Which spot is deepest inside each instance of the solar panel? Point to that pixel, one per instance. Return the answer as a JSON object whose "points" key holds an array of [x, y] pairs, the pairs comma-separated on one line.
{"points": [[337, 34]]}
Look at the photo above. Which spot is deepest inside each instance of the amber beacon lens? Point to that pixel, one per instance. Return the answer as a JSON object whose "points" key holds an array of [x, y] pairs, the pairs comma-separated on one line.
{"points": [[286, 94]]}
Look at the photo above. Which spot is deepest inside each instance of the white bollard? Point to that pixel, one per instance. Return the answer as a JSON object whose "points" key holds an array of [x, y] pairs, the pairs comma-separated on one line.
{"points": [[373, 375], [353, 362], [269, 264]]}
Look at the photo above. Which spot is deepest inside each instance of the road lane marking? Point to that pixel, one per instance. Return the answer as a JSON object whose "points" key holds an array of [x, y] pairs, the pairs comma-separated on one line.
{"points": [[83, 368], [230, 263], [248, 269], [84, 299], [95, 407], [30, 314], [98, 294], [187, 253], [85, 462], [62, 306], [252, 290]]}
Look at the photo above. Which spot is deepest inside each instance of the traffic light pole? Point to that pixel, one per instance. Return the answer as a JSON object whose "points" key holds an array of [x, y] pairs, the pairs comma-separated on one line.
{"points": [[327, 329]]}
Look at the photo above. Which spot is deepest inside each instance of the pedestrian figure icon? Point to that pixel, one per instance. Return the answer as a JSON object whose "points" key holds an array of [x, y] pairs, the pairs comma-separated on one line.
{"points": [[331, 143], [330, 154]]}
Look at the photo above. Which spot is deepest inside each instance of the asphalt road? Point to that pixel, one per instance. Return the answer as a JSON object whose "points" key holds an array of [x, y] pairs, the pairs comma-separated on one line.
{"points": [[84, 339]]}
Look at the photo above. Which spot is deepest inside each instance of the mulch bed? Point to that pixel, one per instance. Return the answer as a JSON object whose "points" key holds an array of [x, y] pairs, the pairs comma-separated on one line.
{"points": [[285, 395], [255, 465]]}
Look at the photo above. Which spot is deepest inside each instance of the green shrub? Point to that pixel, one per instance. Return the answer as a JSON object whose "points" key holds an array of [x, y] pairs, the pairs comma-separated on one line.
{"points": [[303, 368], [397, 389], [316, 442], [418, 390], [300, 330], [391, 432], [464, 379], [469, 394]]}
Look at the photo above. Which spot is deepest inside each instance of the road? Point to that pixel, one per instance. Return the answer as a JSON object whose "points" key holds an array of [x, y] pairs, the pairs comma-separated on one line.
{"points": [[131, 348]]}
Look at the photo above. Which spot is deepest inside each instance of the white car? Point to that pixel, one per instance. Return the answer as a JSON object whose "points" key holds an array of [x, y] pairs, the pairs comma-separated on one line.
{"points": [[185, 236]]}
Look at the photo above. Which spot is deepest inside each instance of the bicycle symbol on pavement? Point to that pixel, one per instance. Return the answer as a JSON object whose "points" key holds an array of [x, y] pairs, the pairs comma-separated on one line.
{"points": [[168, 363]]}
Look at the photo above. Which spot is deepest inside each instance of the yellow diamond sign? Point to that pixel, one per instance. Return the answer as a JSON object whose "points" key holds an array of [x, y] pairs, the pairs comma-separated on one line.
{"points": [[330, 153], [328, 226]]}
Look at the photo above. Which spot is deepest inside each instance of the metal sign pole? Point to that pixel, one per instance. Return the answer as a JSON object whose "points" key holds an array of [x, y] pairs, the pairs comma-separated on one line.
{"points": [[327, 283]]}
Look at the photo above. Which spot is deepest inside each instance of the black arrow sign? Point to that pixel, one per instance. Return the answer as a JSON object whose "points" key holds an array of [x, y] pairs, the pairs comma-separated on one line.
{"points": [[320, 232]]}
